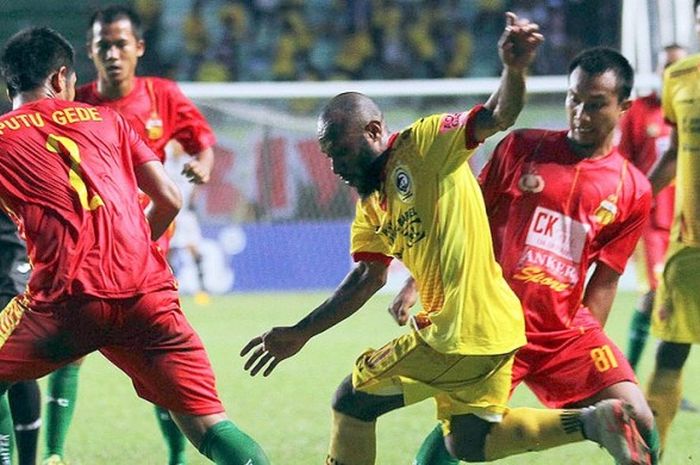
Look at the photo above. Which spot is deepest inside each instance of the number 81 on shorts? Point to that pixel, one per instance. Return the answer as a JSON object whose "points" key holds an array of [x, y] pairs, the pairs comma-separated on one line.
{"points": [[603, 358]]}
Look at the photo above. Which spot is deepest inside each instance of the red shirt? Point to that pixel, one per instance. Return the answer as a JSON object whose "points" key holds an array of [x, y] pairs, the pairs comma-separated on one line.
{"points": [[644, 137], [159, 112], [67, 180], [553, 214]]}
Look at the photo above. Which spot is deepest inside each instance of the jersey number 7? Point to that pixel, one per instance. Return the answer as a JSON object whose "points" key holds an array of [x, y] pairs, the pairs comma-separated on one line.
{"points": [[66, 146]]}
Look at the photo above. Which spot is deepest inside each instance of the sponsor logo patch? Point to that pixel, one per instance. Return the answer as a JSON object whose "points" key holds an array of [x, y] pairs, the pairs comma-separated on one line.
{"points": [[453, 121], [557, 233]]}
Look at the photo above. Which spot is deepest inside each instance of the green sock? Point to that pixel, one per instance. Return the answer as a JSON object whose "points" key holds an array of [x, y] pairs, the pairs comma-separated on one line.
{"points": [[174, 439], [7, 439], [62, 392], [225, 444], [433, 450], [637, 337], [654, 442]]}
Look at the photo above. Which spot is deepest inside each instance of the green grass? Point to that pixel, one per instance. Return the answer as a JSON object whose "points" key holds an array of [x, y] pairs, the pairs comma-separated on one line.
{"points": [[288, 413]]}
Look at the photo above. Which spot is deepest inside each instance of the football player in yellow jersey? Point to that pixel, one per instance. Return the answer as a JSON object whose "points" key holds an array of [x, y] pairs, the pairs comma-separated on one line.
{"points": [[676, 314], [421, 204]]}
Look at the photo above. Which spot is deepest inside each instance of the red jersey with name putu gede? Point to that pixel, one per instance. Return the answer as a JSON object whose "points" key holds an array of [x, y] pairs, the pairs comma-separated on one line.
{"points": [[67, 179], [554, 214]]}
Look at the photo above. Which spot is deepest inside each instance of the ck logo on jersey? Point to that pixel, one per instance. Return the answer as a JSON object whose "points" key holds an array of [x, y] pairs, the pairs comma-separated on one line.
{"points": [[557, 233], [404, 183], [607, 210]]}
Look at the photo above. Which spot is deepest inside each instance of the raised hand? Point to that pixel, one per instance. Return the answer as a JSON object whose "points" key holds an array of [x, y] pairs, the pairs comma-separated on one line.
{"points": [[518, 44], [271, 348]]}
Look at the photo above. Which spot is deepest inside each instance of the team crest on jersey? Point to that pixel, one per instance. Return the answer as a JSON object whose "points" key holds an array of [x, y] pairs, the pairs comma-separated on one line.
{"points": [[607, 210], [154, 127], [531, 182], [653, 130], [404, 183]]}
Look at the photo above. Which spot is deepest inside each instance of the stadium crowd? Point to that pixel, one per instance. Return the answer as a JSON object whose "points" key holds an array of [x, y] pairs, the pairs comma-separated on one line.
{"points": [[235, 40]]}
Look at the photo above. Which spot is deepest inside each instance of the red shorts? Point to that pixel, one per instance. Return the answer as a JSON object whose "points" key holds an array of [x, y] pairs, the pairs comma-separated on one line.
{"points": [[146, 336], [569, 366]]}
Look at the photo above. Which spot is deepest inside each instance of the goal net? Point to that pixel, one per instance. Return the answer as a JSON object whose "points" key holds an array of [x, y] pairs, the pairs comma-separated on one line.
{"points": [[274, 216]]}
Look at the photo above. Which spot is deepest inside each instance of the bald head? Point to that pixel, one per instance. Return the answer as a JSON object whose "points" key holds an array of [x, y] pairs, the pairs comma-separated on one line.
{"points": [[351, 132], [346, 113]]}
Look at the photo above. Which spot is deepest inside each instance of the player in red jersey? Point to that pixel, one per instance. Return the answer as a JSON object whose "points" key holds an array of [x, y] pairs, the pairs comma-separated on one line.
{"points": [[644, 137], [69, 177], [159, 112], [558, 203]]}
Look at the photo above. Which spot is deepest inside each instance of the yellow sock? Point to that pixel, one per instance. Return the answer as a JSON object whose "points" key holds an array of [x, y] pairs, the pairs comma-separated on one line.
{"points": [[664, 397], [527, 429], [353, 441]]}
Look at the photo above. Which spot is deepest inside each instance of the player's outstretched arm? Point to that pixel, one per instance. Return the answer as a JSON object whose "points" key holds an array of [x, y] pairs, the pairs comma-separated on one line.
{"points": [[517, 49], [400, 307], [269, 349], [164, 194], [198, 170]]}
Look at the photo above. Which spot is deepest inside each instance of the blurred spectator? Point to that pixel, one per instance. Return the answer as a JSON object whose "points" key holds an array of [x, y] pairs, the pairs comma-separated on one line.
{"points": [[238, 40]]}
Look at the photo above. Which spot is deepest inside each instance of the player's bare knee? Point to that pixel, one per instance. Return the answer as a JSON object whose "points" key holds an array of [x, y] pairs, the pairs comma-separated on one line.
{"points": [[643, 414]]}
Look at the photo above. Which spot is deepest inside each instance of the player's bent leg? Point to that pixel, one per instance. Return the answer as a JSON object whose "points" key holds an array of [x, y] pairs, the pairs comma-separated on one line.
{"points": [[354, 414], [639, 329], [665, 385], [521, 430], [218, 439], [610, 423], [173, 437], [61, 395], [25, 405]]}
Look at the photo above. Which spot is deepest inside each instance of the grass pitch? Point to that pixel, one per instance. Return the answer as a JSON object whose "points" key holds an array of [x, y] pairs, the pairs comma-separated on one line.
{"points": [[288, 413]]}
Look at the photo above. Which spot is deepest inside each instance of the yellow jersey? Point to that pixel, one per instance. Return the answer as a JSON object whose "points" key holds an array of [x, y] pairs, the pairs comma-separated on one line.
{"points": [[429, 213], [681, 105]]}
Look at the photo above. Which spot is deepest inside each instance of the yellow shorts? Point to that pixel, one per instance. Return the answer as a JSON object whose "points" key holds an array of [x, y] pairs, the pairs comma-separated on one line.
{"points": [[676, 316], [460, 384]]}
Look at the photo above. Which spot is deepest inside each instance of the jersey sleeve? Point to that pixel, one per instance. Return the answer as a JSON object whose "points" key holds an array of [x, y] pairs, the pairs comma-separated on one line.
{"points": [[667, 96], [618, 240], [191, 128], [492, 176], [365, 243], [446, 140]]}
